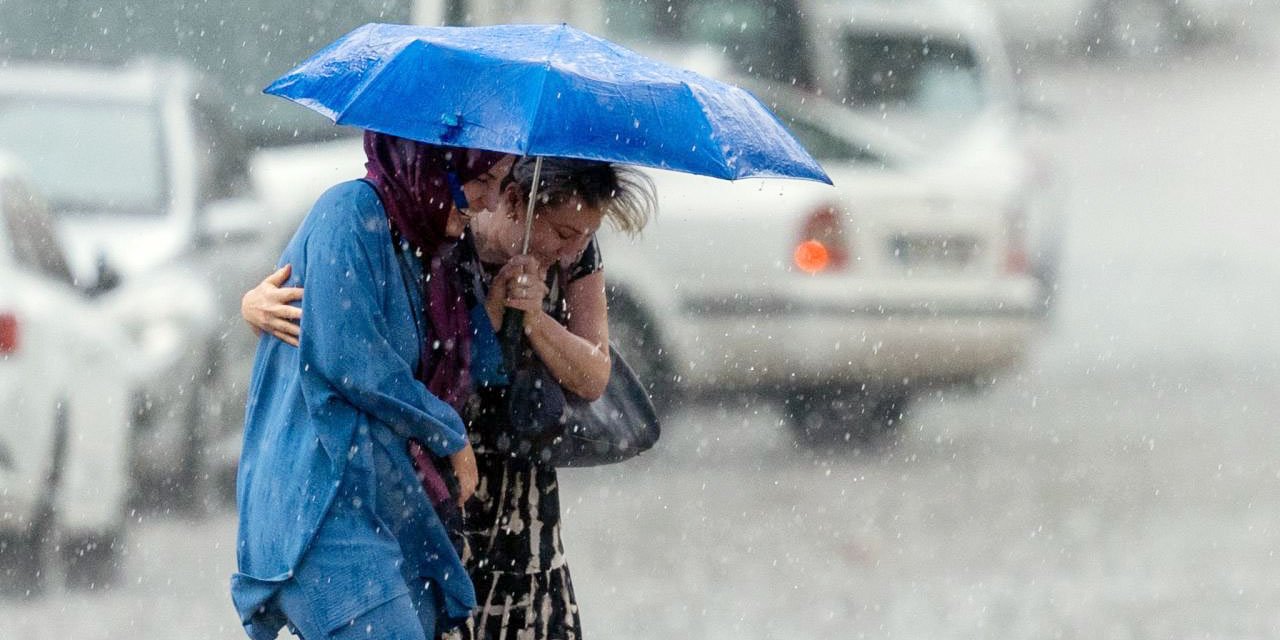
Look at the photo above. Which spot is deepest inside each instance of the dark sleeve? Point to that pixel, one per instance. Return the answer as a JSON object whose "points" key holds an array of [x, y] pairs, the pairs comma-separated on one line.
{"points": [[589, 263], [345, 351]]}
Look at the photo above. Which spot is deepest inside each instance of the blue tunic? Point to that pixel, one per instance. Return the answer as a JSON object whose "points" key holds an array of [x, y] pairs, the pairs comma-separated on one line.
{"points": [[325, 485]]}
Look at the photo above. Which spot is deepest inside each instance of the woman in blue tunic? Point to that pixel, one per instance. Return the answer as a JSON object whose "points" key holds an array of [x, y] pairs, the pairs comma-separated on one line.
{"points": [[337, 536]]}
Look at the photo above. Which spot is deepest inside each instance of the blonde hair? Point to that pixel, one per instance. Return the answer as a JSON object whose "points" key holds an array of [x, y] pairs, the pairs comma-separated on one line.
{"points": [[625, 195]]}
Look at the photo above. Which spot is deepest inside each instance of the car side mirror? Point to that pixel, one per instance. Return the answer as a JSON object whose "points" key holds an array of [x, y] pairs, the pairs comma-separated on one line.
{"points": [[108, 278], [236, 219]]}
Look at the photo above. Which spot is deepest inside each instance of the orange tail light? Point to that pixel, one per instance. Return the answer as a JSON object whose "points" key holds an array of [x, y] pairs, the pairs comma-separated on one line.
{"points": [[822, 245]]}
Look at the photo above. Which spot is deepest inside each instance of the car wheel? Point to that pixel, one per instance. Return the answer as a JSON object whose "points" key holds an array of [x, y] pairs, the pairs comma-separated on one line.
{"points": [[92, 561], [830, 417], [27, 555], [635, 337], [205, 412]]}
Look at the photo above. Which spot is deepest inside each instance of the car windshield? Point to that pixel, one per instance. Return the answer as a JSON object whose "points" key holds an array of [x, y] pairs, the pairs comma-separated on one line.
{"points": [[909, 76], [823, 143], [88, 157]]}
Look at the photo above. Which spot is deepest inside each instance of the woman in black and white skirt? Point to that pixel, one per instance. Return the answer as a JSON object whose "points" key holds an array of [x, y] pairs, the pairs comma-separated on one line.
{"points": [[514, 553]]}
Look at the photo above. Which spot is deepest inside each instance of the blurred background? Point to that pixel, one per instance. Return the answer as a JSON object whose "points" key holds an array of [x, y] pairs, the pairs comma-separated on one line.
{"points": [[1014, 376]]}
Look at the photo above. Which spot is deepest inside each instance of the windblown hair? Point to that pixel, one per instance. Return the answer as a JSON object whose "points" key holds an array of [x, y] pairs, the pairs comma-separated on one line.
{"points": [[624, 194]]}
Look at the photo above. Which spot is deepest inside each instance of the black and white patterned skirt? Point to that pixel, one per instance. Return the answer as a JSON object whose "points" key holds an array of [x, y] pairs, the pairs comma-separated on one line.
{"points": [[515, 556]]}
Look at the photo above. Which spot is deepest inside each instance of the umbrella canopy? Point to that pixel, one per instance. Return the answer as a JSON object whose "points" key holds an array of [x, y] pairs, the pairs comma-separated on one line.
{"points": [[543, 90]]}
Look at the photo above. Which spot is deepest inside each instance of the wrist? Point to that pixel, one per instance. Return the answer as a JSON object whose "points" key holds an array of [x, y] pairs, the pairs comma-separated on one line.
{"points": [[534, 320], [494, 311]]}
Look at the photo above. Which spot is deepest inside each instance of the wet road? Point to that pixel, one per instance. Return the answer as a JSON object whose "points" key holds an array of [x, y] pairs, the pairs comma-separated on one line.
{"points": [[1123, 484]]}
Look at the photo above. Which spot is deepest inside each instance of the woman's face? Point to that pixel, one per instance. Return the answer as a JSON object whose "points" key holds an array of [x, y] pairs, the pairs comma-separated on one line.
{"points": [[482, 193], [560, 232]]}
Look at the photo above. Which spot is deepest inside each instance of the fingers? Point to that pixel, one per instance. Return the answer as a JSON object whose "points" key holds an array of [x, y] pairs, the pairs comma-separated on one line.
{"points": [[521, 270], [284, 337], [285, 311], [279, 325], [527, 265], [520, 284], [526, 296], [285, 295], [466, 489], [280, 276], [464, 468]]}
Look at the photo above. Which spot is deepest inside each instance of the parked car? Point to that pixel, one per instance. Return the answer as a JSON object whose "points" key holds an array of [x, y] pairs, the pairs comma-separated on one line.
{"points": [[66, 384], [1125, 27], [148, 185]]}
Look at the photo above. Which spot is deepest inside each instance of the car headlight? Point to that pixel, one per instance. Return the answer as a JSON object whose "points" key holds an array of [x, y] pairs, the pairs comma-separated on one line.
{"points": [[157, 337]]}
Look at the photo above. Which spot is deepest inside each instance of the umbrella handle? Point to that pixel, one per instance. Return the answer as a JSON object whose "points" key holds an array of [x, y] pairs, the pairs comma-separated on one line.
{"points": [[511, 337], [533, 198]]}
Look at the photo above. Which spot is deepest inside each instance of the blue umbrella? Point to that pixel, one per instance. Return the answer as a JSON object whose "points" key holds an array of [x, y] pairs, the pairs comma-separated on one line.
{"points": [[543, 90]]}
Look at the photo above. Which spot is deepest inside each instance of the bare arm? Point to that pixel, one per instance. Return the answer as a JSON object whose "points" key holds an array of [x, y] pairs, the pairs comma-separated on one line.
{"points": [[576, 354]]}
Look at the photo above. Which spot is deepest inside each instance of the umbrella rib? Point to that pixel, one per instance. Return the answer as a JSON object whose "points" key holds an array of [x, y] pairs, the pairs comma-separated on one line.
{"points": [[707, 119], [542, 89], [383, 65]]}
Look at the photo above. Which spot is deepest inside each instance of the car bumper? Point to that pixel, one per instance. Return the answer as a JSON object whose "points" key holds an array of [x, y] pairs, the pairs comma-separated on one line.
{"points": [[162, 415], [784, 341]]}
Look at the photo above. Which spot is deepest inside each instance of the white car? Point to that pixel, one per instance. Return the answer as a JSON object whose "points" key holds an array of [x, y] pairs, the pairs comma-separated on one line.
{"points": [[66, 397], [148, 185]]}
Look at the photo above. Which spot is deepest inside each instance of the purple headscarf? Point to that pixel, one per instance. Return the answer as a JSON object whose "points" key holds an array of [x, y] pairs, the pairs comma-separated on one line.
{"points": [[410, 178]]}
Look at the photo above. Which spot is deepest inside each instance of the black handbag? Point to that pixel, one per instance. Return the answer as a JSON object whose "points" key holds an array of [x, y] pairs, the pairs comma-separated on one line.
{"points": [[562, 429], [620, 425]]}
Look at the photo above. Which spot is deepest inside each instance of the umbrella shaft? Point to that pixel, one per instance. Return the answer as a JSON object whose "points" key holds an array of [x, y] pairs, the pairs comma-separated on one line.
{"points": [[533, 199]]}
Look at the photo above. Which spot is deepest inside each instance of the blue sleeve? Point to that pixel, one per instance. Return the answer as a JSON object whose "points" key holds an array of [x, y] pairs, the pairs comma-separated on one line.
{"points": [[345, 341], [487, 368]]}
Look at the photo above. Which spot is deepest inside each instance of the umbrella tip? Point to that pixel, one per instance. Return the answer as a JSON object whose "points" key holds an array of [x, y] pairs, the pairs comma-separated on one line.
{"points": [[452, 125]]}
